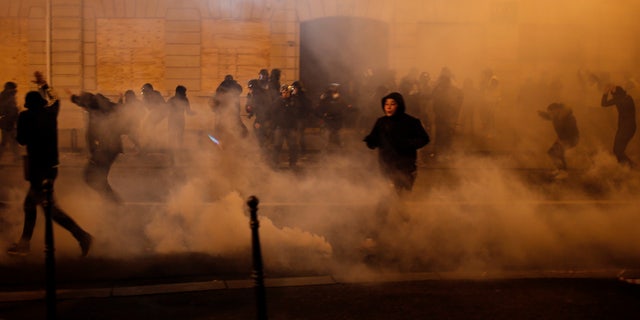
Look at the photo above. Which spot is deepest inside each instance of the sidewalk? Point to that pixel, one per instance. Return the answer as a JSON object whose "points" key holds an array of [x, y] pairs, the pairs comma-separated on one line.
{"points": [[554, 295]]}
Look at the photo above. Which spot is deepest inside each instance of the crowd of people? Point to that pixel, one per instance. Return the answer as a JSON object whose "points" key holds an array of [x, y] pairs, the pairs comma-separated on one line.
{"points": [[414, 113]]}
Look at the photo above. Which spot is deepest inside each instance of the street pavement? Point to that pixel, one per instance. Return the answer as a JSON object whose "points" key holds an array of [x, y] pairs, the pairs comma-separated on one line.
{"points": [[202, 286], [404, 296]]}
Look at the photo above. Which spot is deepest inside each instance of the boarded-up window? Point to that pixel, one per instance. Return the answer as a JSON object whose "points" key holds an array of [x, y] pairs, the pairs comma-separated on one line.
{"points": [[130, 52], [239, 48], [14, 57]]}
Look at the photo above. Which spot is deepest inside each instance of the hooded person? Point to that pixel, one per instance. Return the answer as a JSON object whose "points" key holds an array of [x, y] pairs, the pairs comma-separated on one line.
{"points": [[104, 131], [626, 121], [225, 103], [38, 131], [397, 136]]}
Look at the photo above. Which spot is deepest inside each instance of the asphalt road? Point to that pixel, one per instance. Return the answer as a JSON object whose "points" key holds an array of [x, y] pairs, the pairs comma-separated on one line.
{"points": [[547, 298], [201, 286]]}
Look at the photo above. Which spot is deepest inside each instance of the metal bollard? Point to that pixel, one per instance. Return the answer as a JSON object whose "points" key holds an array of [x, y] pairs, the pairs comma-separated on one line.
{"points": [[49, 250], [258, 274]]}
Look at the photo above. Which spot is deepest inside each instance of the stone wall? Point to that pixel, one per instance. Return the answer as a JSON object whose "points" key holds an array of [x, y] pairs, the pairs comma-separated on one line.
{"points": [[114, 45]]}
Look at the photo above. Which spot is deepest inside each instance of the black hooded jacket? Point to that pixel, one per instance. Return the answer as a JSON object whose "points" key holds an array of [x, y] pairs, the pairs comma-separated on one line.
{"points": [[398, 137], [38, 131], [626, 110], [104, 128]]}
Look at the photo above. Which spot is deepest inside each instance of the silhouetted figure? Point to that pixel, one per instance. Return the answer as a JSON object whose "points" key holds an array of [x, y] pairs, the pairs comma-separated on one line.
{"points": [[225, 104], [626, 121], [258, 106], [447, 101], [410, 89], [104, 131], [470, 106], [263, 79], [331, 110], [285, 115], [274, 84], [397, 136], [9, 119], [425, 109], [490, 103], [178, 106], [303, 118], [132, 115], [38, 131], [157, 111], [564, 124]]}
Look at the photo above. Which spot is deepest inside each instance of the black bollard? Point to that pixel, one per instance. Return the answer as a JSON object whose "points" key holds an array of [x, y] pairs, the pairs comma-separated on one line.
{"points": [[49, 250], [258, 274]]}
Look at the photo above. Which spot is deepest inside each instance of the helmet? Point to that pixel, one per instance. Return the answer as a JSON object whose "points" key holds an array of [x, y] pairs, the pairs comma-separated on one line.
{"points": [[297, 84], [333, 87], [181, 89], [263, 74], [286, 88], [147, 87]]}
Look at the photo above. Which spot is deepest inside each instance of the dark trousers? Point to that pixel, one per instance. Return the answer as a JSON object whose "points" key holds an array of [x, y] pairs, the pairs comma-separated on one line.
{"points": [[290, 135], [620, 145], [96, 174], [36, 196], [556, 153]]}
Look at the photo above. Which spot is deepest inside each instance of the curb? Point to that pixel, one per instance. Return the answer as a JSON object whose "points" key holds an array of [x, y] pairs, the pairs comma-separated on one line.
{"points": [[127, 291]]}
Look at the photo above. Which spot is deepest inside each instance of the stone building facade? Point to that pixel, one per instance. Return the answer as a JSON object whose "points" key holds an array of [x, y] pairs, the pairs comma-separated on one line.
{"points": [[110, 46]]}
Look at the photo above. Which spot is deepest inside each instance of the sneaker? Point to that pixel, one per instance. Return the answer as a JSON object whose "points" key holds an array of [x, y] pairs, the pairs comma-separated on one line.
{"points": [[19, 249], [85, 244]]}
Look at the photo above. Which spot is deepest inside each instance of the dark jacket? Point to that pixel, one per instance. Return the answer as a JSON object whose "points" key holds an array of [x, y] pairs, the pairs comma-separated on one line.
{"points": [[104, 129], [259, 104], [38, 131], [286, 113], [397, 137], [626, 110], [332, 111], [8, 110], [304, 106], [564, 124]]}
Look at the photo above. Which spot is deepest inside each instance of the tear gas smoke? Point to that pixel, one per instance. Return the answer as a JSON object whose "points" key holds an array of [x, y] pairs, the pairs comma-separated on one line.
{"points": [[476, 212]]}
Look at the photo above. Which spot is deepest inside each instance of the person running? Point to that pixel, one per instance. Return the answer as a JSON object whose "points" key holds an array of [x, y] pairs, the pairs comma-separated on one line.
{"points": [[397, 136], [38, 131]]}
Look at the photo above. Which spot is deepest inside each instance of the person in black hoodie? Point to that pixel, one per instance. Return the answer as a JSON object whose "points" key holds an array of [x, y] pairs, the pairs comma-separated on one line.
{"points": [[225, 103], [397, 136], [104, 131], [626, 121], [38, 131]]}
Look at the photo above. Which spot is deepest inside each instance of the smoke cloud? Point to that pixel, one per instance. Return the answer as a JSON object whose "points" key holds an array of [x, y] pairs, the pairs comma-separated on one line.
{"points": [[490, 206]]}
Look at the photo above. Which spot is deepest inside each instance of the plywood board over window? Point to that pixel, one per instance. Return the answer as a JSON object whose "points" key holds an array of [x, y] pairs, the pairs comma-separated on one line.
{"points": [[14, 56], [238, 48], [130, 52]]}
